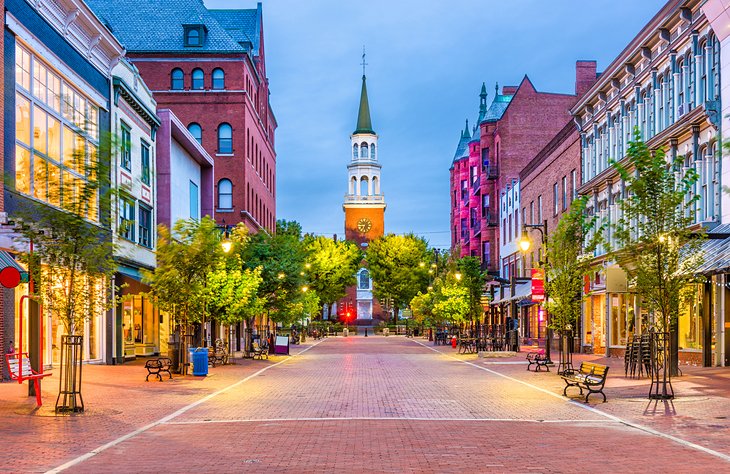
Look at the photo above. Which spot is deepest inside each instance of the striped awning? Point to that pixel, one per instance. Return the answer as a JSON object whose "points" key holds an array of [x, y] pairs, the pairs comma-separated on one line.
{"points": [[716, 256], [11, 272], [523, 291]]}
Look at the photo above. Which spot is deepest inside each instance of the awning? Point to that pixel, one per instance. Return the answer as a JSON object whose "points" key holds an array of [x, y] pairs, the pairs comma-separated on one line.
{"points": [[523, 291], [716, 253], [11, 272]]}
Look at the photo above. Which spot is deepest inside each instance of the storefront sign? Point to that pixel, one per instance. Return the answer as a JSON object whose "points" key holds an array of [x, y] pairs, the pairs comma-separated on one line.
{"points": [[586, 284], [538, 284]]}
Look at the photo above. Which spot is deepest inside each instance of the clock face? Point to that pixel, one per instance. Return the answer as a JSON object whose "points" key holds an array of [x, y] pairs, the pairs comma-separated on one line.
{"points": [[364, 225]]}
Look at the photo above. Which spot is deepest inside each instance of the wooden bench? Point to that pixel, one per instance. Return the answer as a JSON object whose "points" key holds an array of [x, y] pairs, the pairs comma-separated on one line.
{"points": [[538, 359], [19, 368], [589, 376], [259, 351]]}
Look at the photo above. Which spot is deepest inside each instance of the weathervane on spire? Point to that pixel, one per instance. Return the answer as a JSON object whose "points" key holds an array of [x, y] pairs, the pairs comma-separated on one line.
{"points": [[363, 63]]}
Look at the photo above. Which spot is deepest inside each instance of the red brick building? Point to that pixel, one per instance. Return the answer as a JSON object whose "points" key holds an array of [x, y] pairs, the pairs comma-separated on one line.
{"points": [[512, 130], [209, 68]]}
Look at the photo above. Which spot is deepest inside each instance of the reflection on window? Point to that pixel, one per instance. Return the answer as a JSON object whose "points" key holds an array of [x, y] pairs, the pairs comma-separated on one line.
{"points": [[22, 67], [126, 148], [126, 218], [219, 79], [177, 80], [198, 79], [145, 226], [22, 119], [196, 131], [145, 158], [22, 170], [225, 138], [225, 194], [364, 280]]}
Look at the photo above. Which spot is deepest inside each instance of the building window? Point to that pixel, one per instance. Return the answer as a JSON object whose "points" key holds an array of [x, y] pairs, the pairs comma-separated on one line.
{"points": [[565, 192], [574, 184], [219, 79], [126, 148], [194, 35], [355, 149], [372, 151], [464, 189], [225, 138], [225, 194], [539, 209], [364, 283], [196, 131], [364, 150], [485, 252], [556, 203], [145, 158], [194, 201], [145, 226], [177, 80], [126, 218], [198, 79]]}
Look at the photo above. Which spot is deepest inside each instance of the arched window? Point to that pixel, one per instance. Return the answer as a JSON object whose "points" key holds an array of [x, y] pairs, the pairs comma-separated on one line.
{"points": [[714, 69], [376, 185], [364, 186], [364, 280], [177, 79], [702, 65], [196, 131], [193, 37], [219, 79], [225, 138], [668, 112], [198, 79], [354, 151], [225, 194], [372, 151], [353, 185], [363, 150], [660, 123], [690, 81], [680, 88]]}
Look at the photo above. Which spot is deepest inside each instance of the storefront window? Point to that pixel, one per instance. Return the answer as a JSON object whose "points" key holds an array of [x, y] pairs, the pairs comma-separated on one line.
{"points": [[622, 318], [690, 320], [593, 324]]}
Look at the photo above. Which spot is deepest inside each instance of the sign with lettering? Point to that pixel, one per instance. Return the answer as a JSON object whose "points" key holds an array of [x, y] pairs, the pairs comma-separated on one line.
{"points": [[538, 284]]}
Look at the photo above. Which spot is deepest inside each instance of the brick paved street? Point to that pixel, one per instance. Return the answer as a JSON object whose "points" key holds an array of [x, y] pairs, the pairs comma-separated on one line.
{"points": [[355, 404]]}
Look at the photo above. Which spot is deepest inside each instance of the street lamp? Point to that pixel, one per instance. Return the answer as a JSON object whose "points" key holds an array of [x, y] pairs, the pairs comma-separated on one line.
{"points": [[226, 242], [525, 245], [457, 275]]}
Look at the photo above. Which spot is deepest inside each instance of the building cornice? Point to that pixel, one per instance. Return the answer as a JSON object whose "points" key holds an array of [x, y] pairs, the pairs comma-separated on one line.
{"points": [[78, 25], [122, 89]]}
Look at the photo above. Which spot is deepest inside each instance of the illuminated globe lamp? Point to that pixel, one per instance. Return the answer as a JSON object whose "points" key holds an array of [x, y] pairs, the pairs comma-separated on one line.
{"points": [[524, 241]]}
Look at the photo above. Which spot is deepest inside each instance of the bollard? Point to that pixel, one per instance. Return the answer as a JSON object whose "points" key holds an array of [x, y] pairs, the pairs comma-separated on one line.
{"points": [[366, 332]]}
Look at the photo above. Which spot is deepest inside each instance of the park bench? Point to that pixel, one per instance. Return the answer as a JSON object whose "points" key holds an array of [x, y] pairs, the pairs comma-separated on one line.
{"points": [[467, 345], [219, 354], [157, 367], [19, 368], [259, 351], [538, 359], [589, 376]]}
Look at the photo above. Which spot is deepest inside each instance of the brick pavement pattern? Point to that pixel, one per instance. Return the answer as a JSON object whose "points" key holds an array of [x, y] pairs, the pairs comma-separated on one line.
{"points": [[354, 405]]}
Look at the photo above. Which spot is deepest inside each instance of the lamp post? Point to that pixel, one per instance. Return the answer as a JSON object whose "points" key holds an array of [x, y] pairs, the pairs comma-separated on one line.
{"points": [[525, 245], [226, 242]]}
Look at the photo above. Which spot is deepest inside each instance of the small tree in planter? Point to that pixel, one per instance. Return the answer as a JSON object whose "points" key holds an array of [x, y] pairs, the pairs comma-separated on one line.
{"points": [[69, 250], [566, 268], [185, 259], [657, 246]]}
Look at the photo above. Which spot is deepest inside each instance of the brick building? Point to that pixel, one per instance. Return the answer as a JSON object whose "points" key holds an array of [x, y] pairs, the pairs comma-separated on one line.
{"points": [[519, 122], [209, 68]]}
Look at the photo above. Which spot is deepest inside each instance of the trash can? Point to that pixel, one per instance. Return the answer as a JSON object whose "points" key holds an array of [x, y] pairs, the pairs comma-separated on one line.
{"points": [[345, 332], [199, 359]]}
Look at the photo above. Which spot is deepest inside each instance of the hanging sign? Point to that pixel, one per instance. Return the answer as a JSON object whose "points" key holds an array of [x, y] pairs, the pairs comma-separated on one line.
{"points": [[538, 284]]}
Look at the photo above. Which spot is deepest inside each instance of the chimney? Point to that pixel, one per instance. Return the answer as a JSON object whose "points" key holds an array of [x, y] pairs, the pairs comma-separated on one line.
{"points": [[509, 90], [585, 76]]}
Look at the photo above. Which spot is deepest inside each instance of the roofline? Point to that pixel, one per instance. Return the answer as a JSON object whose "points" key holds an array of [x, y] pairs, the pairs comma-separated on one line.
{"points": [[662, 15], [180, 133]]}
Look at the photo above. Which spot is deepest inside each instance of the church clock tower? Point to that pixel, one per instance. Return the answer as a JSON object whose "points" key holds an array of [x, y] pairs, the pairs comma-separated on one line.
{"points": [[364, 205]]}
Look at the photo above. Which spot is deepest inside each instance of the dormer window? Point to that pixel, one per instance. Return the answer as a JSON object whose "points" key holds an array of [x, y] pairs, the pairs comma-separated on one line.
{"points": [[194, 35]]}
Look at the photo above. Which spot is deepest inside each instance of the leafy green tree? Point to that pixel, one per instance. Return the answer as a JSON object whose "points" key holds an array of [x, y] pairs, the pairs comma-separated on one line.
{"points": [[232, 292], [331, 267], [452, 302], [474, 280], [568, 264], [398, 265], [282, 259], [185, 259], [656, 245]]}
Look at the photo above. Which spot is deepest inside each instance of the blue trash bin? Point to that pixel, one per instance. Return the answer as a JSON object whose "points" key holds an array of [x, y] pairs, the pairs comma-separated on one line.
{"points": [[199, 358]]}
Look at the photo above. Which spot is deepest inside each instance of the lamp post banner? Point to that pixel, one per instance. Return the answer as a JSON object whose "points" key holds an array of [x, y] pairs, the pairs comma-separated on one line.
{"points": [[538, 284]]}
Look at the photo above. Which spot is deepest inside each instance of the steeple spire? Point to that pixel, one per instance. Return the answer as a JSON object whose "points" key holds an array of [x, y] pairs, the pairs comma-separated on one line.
{"points": [[364, 125], [482, 103], [466, 133]]}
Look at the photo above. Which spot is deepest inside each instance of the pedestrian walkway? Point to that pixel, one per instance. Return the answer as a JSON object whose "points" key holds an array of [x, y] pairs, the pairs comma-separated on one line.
{"points": [[347, 405]]}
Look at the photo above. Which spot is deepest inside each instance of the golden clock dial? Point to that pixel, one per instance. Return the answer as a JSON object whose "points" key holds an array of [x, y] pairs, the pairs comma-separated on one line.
{"points": [[364, 225]]}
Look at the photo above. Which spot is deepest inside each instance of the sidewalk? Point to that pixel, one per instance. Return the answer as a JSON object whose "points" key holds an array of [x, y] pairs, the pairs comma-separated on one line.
{"points": [[117, 400], [698, 413]]}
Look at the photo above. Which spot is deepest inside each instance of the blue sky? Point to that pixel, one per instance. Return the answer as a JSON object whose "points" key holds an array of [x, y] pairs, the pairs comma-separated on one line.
{"points": [[427, 62]]}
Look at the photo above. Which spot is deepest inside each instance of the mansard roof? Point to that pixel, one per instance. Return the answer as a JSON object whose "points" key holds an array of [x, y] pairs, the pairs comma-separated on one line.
{"points": [[498, 107], [462, 149], [155, 26]]}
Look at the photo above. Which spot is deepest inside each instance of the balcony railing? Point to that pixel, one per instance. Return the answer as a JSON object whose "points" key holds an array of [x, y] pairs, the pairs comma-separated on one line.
{"points": [[364, 198], [491, 219], [491, 171]]}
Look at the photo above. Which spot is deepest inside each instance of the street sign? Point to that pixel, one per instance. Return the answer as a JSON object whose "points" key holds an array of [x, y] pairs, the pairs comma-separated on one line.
{"points": [[538, 284]]}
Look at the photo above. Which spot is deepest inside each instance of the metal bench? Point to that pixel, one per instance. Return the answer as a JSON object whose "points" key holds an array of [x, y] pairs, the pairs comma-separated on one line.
{"points": [[19, 368], [154, 367], [259, 351], [219, 354], [538, 359], [589, 376]]}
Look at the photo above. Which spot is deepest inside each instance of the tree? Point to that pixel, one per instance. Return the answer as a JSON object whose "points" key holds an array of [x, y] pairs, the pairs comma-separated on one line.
{"points": [[232, 292], [331, 267], [185, 259], [398, 265], [422, 306], [656, 245], [566, 265], [474, 280], [452, 302]]}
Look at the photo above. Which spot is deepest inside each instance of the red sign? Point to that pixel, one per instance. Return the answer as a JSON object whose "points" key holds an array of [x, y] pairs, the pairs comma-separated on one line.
{"points": [[538, 284], [586, 284]]}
